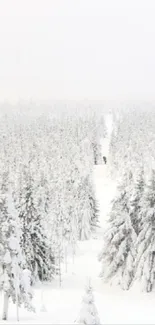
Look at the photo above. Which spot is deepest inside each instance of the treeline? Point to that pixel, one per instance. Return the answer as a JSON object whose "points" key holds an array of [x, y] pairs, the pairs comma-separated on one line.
{"points": [[133, 138]]}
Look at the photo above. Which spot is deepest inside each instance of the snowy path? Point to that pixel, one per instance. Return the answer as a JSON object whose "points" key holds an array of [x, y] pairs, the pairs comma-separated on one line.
{"points": [[105, 190]]}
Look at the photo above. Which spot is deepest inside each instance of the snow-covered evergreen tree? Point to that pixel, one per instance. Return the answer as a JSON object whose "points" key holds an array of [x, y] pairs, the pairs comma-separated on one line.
{"points": [[146, 240], [136, 199], [87, 209], [96, 152], [88, 314], [118, 254], [35, 244], [11, 260], [94, 210]]}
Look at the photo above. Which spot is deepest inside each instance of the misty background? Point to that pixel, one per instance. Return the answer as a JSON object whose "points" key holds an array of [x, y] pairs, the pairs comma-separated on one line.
{"points": [[85, 49]]}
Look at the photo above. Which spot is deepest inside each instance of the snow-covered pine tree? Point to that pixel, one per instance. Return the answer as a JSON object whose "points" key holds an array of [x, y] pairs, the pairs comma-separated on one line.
{"points": [[12, 279], [94, 210], [35, 244], [59, 242], [146, 240], [84, 215], [136, 200], [88, 314], [96, 152], [118, 254], [87, 209]]}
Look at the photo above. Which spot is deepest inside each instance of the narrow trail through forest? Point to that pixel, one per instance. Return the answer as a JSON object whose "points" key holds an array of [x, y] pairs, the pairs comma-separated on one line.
{"points": [[57, 304]]}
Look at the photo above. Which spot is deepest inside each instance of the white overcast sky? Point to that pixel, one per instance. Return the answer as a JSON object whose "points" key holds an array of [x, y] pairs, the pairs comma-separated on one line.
{"points": [[77, 49]]}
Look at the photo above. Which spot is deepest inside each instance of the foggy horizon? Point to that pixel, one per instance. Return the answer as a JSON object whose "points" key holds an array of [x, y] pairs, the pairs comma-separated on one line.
{"points": [[77, 50]]}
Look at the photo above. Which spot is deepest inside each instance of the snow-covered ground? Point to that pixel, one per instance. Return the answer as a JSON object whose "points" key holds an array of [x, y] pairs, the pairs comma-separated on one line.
{"points": [[105, 187], [105, 191], [62, 304]]}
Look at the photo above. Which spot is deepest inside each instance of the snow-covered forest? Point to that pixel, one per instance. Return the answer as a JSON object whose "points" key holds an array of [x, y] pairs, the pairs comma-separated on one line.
{"points": [[77, 208], [47, 194]]}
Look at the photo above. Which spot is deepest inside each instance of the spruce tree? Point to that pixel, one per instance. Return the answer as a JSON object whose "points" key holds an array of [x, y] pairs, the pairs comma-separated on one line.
{"points": [[136, 200], [146, 240], [88, 314], [94, 210], [87, 209], [118, 254], [12, 279], [35, 244]]}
